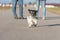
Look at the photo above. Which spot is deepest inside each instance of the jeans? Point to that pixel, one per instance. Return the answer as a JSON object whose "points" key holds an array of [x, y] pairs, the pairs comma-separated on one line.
{"points": [[20, 3], [43, 2]]}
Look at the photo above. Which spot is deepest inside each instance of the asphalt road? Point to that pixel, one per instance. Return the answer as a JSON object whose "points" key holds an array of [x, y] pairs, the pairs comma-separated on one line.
{"points": [[17, 29]]}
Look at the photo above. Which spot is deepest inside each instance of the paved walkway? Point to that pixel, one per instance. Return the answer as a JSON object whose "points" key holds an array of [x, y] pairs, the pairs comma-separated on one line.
{"points": [[16, 29]]}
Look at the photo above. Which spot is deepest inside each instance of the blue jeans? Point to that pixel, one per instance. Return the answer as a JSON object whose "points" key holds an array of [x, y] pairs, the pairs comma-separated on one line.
{"points": [[43, 2], [20, 3]]}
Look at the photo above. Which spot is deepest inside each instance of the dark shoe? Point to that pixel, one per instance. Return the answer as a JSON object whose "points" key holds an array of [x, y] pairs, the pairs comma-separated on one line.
{"points": [[21, 17], [16, 17]]}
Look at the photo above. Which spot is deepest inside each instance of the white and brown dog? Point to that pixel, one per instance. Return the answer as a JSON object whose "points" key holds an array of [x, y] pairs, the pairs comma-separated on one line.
{"points": [[32, 19]]}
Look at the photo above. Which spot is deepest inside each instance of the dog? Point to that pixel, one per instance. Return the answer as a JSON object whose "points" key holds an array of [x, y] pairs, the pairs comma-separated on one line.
{"points": [[32, 19]]}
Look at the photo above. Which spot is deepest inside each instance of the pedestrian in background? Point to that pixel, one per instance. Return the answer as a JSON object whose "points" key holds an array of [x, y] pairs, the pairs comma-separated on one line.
{"points": [[20, 3], [43, 3]]}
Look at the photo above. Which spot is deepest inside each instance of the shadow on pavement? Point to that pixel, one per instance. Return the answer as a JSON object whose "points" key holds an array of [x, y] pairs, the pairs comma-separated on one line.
{"points": [[51, 25]]}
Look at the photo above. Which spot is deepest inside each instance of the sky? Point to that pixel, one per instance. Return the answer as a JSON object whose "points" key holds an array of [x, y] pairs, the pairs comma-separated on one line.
{"points": [[26, 1]]}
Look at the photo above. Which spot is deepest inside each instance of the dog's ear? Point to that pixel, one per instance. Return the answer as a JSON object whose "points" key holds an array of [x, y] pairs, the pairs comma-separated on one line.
{"points": [[35, 11], [28, 9]]}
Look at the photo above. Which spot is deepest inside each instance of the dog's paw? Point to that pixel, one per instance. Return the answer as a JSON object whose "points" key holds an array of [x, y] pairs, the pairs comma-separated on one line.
{"points": [[30, 26], [35, 25]]}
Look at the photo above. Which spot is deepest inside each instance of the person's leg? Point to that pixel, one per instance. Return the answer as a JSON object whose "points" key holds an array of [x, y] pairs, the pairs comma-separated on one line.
{"points": [[14, 2], [37, 6], [43, 9], [20, 3]]}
